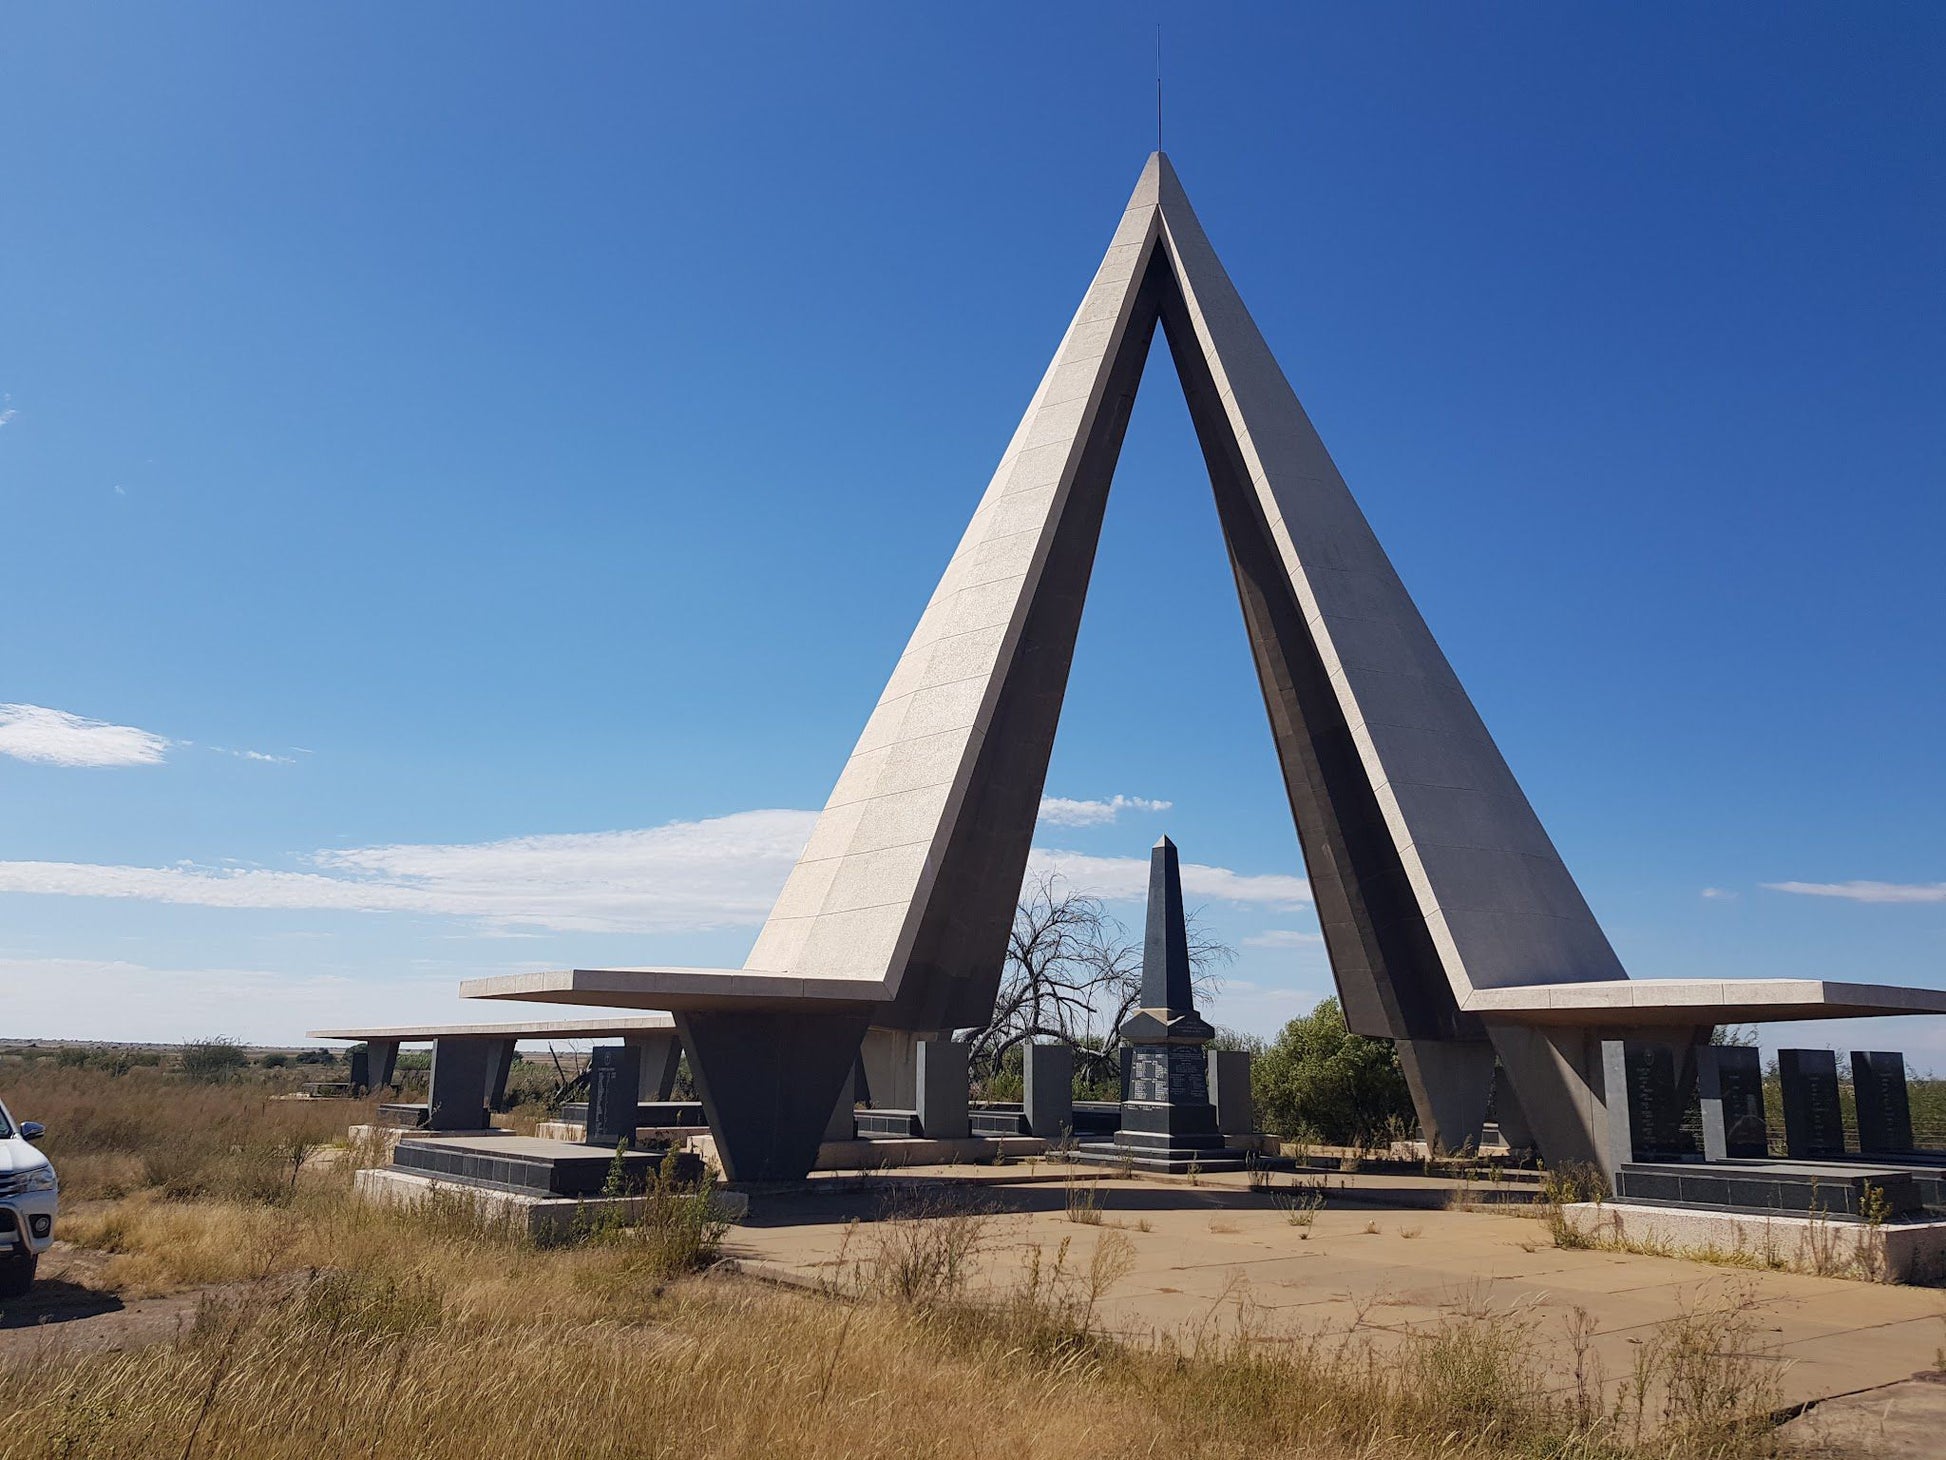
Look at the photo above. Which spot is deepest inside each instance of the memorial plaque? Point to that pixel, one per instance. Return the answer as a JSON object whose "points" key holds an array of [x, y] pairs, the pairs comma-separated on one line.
{"points": [[1732, 1081], [1814, 1123], [614, 1090], [1884, 1110], [1654, 1117], [1148, 1074]]}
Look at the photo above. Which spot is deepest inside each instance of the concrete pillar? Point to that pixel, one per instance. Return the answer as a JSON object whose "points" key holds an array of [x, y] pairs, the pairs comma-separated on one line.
{"points": [[359, 1074], [384, 1054], [769, 1082], [943, 1090], [891, 1060], [1229, 1092], [1048, 1093], [660, 1054], [458, 1091], [500, 1065], [614, 1085], [1450, 1081]]}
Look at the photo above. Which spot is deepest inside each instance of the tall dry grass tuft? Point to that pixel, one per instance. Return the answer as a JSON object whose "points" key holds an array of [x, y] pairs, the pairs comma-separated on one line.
{"points": [[146, 1128]]}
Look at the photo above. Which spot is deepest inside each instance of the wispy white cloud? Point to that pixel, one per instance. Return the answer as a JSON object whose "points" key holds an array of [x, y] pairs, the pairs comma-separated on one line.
{"points": [[1283, 938], [258, 755], [1060, 811], [1126, 879], [1717, 894], [54, 737], [686, 876], [89, 998], [1866, 891]]}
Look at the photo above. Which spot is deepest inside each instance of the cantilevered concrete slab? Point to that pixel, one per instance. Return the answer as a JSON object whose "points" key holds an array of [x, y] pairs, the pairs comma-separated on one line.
{"points": [[1638, 1002], [609, 1028], [1451, 923]]}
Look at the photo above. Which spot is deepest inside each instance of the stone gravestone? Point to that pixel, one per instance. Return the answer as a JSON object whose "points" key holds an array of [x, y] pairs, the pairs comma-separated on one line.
{"points": [[943, 1079], [457, 1097], [1047, 1095], [1644, 1104], [1884, 1109], [1732, 1089], [1229, 1080], [361, 1071], [1814, 1123], [614, 1088]]}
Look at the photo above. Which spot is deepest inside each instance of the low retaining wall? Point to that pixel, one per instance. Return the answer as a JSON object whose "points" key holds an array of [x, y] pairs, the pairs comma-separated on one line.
{"points": [[1891, 1252]]}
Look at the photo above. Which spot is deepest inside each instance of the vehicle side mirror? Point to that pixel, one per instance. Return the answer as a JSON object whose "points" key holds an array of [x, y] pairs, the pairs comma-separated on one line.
{"points": [[32, 1130]]}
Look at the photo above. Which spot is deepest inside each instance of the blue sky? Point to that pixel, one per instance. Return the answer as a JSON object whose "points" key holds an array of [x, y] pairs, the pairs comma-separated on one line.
{"points": [[485, 460]]}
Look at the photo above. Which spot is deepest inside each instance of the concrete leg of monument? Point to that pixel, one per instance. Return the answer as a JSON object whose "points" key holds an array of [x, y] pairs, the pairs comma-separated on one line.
{"points": [[891, 1059], [1450, 1080], [660, 1055], [1556, 1073], [769, 1082]]}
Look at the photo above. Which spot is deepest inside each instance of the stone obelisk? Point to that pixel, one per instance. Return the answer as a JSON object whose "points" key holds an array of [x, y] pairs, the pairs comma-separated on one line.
{"points": [[1168, 1122]]}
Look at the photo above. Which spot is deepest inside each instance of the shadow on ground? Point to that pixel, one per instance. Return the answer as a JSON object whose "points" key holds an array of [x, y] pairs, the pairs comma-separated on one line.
{"points": [[53, 1300]]}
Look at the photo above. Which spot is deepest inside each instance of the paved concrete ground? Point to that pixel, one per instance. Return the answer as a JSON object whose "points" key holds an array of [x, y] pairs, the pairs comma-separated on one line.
{"points": [[1209, 1256]]}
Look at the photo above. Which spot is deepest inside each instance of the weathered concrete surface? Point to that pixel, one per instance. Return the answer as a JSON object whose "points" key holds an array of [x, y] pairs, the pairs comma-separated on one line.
{"points": [[1214, 1255], [1897, 1422]]}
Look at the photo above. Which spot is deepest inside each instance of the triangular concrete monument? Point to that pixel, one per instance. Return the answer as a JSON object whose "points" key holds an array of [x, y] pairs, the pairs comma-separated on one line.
{"points": [[1448, 916], [1432, 874]]}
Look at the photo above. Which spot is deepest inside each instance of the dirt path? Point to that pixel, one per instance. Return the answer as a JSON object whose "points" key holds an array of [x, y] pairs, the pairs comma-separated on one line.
{"points": [[70, 1312]]}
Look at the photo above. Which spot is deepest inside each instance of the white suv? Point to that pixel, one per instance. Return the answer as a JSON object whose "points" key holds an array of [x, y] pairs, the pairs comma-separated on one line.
{"points": [[29, 1195]]}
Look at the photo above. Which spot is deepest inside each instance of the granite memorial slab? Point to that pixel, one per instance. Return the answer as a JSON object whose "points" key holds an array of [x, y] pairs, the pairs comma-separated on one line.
{"points": [[1814, 1119], [614, 1094], [1730, 1079], [1884, 1105]]}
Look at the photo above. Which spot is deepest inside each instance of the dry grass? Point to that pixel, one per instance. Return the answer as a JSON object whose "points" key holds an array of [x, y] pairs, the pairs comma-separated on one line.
{"points": [[357, 1330], [147, 1129]]}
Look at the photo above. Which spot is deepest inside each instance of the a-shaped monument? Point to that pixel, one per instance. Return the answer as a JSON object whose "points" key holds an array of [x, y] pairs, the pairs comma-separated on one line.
{"points": [[1450, 922]]}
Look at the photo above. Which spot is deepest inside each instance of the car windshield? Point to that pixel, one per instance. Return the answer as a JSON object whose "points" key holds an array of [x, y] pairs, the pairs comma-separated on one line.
{"points": [[6, 1124]]}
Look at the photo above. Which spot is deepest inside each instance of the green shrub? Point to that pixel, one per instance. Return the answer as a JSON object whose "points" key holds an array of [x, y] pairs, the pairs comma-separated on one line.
{"points": [[1324, 1083], [213, 1061]]}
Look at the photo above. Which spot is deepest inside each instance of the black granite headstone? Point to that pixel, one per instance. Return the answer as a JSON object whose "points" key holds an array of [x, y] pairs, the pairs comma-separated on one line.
{"points": [[1814, 1122], [1884, 1109], [614, 1090], [1654, 1116], [1732, 1079]]}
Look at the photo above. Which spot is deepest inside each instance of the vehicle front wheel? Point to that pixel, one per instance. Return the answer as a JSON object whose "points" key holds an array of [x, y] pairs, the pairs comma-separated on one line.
{"points": [[17, 1272]]}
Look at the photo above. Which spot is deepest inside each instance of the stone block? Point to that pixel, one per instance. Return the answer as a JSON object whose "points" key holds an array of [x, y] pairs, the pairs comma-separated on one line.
{"points": [[943, 1090], [1229, 1088], [457, 1099], [1814, 1122], [1730, 1081], [1048, 1093], [614, 1090], [1884, 1106]]}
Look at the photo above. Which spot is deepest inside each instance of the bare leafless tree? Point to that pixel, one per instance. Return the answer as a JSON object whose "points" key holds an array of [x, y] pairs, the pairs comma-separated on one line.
{"points": [[1074, 974]]}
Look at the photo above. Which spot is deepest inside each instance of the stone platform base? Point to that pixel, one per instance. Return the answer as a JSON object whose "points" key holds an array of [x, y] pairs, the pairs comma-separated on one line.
{"points": [[1164, 1162], [576, 1133], [536, 1167], [382, 1140], [874, 1155], [1893, 1252], [540, 1217]]}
